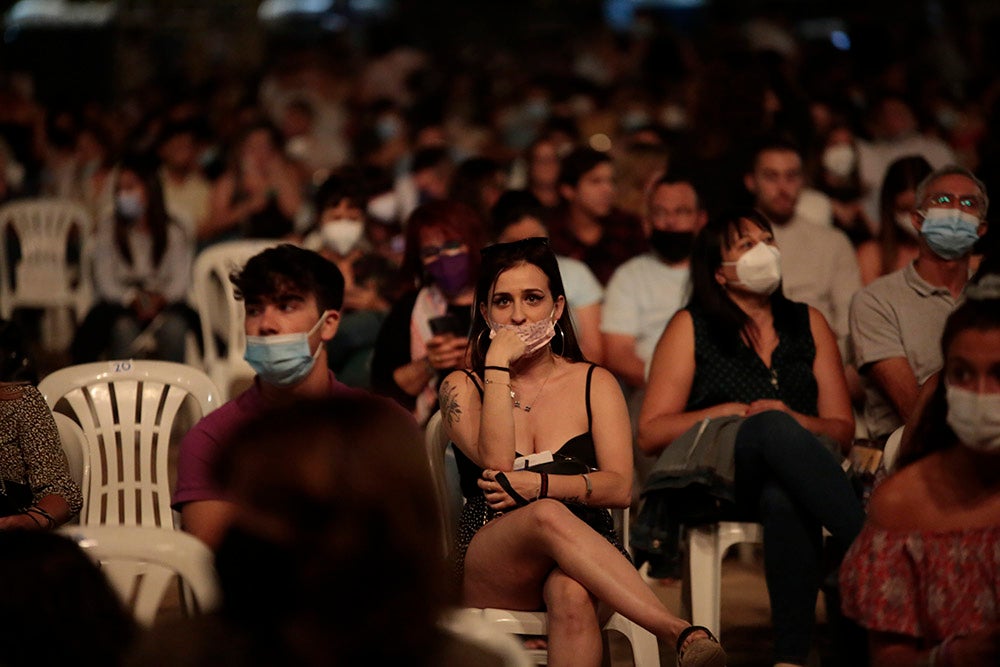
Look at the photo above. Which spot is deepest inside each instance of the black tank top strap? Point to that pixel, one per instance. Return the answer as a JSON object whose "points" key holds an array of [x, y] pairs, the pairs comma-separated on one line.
{"points": [[590, 416], [475, 381]]}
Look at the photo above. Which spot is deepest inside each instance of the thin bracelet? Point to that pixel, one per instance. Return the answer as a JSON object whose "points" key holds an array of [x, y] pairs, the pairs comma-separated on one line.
{"points": [[504, 369], [35, 509], [590, 487], [32, 517], [502, 384], [543, 489]]}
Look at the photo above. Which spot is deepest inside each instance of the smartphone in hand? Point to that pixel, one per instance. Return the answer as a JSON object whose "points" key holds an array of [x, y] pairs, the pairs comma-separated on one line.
{"points": [[447, 324]]}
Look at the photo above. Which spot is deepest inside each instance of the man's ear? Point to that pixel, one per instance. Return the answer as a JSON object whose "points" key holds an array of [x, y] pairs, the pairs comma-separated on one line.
{"points": [[983, 226], [917, 220], [331, 322], [750, 183]]}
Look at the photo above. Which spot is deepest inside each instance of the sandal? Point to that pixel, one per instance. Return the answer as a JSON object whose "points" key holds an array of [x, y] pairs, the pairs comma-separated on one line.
{"points": [[704, 652]]}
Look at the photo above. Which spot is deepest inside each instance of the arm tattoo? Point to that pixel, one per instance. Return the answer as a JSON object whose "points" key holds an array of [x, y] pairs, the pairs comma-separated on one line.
{"points": [[448, 400]]}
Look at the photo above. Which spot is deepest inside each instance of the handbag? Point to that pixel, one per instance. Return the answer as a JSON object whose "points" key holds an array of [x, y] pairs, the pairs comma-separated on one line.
{"points": [[596, 517]]}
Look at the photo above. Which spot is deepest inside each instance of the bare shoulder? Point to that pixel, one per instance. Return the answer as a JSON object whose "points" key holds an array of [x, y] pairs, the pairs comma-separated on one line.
{"points": [[904, 500]]}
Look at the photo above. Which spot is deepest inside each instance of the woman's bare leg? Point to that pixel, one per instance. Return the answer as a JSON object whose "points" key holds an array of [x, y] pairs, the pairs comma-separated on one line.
{"points": [[510, 557], [574, 627]]}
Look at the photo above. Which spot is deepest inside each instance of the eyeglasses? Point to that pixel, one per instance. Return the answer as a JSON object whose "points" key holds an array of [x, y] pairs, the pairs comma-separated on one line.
{"points": [[530, 243], [432, 252], [970, 203]]}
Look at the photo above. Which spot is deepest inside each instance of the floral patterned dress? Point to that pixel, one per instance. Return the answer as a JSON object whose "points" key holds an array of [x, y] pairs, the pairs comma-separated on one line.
{"points": [[924, 584]]}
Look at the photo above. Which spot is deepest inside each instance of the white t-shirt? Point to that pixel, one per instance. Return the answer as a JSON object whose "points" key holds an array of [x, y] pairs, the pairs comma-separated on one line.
{"points": [[641, 297]]}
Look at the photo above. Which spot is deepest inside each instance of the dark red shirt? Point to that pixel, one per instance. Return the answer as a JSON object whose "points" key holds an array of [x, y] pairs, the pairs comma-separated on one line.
{"points": [[621, 240]]}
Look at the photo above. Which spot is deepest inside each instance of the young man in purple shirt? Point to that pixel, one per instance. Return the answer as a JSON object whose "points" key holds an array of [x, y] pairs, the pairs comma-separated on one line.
{"points": [[292, 299]]}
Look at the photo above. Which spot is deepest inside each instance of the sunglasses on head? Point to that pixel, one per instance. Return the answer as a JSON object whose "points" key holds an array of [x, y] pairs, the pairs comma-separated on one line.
{"points": [[531, 243]]}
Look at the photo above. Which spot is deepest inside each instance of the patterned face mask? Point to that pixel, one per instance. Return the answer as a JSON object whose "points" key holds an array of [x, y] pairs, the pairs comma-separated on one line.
{"points": [[534, 335]]}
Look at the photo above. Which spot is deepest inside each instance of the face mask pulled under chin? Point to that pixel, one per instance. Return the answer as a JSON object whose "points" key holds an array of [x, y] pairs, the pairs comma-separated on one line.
{"points": [[283, 360], [759, 269], [534, 335], [975, 418]]}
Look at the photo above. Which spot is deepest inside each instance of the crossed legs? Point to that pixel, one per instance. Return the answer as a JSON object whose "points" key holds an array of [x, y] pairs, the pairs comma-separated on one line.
{"points": [[543, 554]]}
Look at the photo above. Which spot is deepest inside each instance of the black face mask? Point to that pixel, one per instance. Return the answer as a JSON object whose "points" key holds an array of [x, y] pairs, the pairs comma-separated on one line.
{"points": [[672, 247]]}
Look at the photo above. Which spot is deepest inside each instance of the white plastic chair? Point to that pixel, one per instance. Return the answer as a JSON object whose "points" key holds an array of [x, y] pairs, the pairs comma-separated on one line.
{"points": [[127, 411], [221, 314], [891, 450], [470, 625], [74, 446], [141, 563], [43, 277], [707, 545], [645, 650]]}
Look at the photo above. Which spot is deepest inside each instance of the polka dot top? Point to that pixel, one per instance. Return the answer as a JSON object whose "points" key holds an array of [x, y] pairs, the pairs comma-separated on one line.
{"points": [[723, 375], [30, 451]]}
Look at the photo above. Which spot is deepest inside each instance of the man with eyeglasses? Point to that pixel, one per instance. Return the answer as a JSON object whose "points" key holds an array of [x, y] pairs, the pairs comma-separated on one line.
{"points": [[897, 321]]}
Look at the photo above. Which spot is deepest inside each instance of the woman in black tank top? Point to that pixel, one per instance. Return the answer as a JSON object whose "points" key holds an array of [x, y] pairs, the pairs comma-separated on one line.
{"points": [[524, 543]]}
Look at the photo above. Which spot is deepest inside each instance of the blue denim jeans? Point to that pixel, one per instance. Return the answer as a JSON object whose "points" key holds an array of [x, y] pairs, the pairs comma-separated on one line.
{"points": [[790, 482]]}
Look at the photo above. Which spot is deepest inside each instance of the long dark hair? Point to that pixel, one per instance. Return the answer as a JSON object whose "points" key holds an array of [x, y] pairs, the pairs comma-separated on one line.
{"points": [[157, 218], [931, 432], [902, 175], [729, 324], [500, 257]]}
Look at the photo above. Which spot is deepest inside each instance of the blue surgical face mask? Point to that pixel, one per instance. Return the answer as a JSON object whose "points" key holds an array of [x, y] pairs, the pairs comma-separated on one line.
{"points": [[950, 232], [285, 359]]}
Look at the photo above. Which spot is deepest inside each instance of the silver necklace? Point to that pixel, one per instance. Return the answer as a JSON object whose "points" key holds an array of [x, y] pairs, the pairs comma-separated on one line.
{"points": [[527, 408]]}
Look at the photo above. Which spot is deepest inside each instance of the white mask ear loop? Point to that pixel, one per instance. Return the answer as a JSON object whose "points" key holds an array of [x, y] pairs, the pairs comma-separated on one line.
{"points": [[315, 327]]}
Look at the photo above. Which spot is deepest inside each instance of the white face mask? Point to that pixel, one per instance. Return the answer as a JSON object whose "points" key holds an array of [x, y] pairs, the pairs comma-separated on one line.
{"points": [[342, 235], [975, 418], [839, 160], [759, 269]]}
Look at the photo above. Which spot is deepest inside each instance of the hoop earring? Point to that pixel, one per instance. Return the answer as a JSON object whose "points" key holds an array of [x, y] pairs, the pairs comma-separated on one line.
{"points": [[478, 344], [562, 340]]}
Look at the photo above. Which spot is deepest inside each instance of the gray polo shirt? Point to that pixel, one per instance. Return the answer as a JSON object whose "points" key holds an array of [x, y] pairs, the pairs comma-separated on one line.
{"points": [[898, 315]]}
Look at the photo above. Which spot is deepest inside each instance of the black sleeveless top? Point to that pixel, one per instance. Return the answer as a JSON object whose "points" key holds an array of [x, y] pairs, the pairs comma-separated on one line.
{"points": [[476, 513], [738, 374], [579, 447]]}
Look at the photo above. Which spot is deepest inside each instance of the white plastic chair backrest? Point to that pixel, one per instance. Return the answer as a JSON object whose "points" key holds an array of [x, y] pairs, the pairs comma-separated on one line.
{"points": [[436, 443], [142, 562], [42, 275], [220, 312], [891, 450], [74, 446], [127, 411]]}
